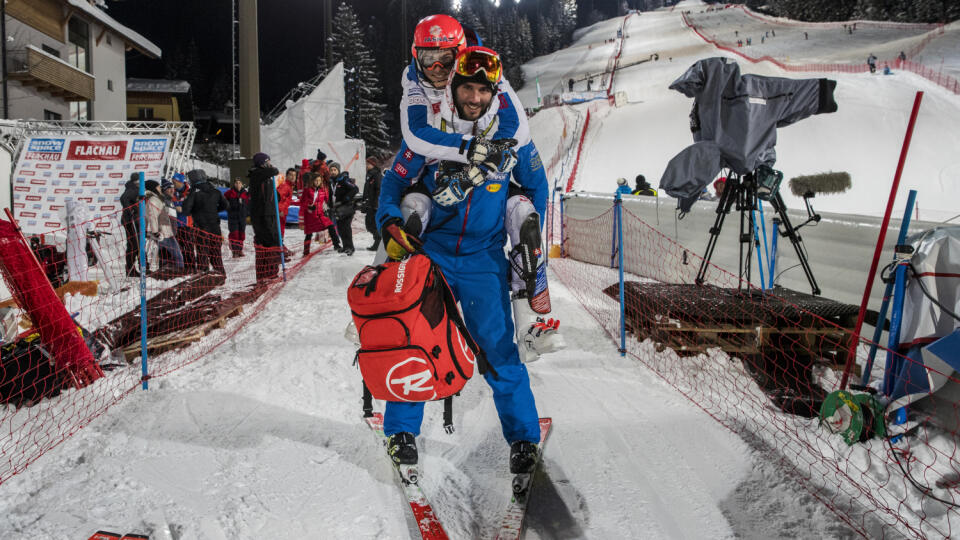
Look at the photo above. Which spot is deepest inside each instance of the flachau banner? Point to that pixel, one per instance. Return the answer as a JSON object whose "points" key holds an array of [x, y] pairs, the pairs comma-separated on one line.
{"points": [[90, 170]]}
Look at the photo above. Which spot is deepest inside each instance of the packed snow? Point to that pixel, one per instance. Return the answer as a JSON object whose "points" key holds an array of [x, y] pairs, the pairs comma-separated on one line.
{"points": [[263, 438]]}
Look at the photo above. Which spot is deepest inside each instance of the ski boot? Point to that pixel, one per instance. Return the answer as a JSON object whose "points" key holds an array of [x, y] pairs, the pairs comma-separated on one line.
{"points": [[523, 457], [402, 448]]}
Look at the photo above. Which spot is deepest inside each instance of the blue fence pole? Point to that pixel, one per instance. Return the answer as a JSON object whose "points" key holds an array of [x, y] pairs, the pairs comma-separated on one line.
{"points": [[618, 220], [766, 252], [756, 234], [613, 236], [775, 233], [143, 281], [888, 291], [893, 340], [276, 208]]}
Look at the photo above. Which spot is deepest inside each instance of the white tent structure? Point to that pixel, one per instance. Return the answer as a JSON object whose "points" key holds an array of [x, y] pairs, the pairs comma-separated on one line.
{"points": [[313, 122]]}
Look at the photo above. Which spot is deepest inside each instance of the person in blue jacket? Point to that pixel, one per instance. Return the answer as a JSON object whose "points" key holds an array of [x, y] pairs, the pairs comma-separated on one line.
{"points": [[622, 187], [465, 237]]}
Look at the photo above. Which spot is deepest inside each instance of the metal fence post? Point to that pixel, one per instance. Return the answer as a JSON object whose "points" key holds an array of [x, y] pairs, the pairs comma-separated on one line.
{"points": [[143, 280], [618, 225]]}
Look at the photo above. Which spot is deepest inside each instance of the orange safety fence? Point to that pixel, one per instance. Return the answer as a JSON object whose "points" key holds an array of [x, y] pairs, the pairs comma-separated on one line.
{"points": [[761, 363], [200, 291]]}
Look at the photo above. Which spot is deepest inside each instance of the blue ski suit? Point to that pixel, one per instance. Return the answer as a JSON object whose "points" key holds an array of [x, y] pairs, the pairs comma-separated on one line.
{"points": [[467, 240]]}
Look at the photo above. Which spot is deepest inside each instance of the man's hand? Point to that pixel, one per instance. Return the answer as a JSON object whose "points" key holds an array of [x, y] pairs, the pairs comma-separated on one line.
{"points": [[398, 242], [496, 155]]}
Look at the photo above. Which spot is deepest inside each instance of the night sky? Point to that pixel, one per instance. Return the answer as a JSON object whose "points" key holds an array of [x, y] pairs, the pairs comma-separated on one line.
{"points": [[195, 39], [291, 40]]}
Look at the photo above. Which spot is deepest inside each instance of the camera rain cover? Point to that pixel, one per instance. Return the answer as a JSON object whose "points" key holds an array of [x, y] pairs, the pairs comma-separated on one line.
{"points": [[739, 115]]}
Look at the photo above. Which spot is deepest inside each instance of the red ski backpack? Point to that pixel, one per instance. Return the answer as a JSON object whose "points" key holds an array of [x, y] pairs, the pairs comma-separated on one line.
{"points": [[414, 345]]}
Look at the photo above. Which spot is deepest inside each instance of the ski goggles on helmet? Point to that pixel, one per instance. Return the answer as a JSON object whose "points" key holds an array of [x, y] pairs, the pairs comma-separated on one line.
{"points": [[474, 59], [436, 58]]}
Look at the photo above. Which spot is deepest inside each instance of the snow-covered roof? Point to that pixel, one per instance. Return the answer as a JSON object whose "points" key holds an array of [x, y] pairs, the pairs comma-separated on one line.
{"points": [[141, 43], [165, 86]]}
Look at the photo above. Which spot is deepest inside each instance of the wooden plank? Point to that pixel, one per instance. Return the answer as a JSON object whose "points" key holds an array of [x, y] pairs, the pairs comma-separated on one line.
{"points": [[182, 338]]}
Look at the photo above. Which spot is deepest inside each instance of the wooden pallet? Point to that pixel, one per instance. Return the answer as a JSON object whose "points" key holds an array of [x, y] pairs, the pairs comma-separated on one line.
{"points": [[182, 338]]}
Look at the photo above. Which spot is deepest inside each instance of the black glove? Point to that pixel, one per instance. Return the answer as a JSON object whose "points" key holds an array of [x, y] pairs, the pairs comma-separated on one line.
{"points": [[398, 242], [496, 155]]}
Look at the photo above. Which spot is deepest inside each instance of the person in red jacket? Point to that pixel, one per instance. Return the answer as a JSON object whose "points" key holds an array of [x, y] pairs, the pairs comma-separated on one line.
{"points": [[285, 196], [238, 208], [313, 218]]}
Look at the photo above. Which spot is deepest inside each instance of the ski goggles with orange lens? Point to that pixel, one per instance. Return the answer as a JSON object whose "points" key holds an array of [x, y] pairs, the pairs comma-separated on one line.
{"points": [[474, 59], [436, 58]]}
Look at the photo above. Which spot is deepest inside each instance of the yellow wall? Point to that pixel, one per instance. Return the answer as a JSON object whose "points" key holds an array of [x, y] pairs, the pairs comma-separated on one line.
{"points": [[165, 107]]}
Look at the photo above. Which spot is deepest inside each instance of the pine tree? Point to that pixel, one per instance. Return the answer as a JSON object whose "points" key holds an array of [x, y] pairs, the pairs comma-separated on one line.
{"points": [[362, 87]]}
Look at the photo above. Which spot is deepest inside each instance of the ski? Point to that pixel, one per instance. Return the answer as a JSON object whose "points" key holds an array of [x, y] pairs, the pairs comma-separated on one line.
{"points": [[430, 526], [511, 526]]}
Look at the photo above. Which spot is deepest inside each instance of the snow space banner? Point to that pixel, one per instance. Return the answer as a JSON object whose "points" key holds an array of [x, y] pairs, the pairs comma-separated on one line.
{"points": [[90, 170]]}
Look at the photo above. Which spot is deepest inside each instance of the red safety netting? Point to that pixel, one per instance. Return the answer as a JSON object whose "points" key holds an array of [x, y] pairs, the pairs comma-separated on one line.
{"points": [[761, 364], [935, 76], [200, 290]]}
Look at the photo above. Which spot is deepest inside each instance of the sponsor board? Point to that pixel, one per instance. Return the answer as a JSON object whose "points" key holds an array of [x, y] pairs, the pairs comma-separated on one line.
{"points": [[95, 169]]}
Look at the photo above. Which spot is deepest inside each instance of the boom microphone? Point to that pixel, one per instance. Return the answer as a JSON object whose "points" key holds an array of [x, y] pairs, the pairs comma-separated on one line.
{"points": [[829, 182]]}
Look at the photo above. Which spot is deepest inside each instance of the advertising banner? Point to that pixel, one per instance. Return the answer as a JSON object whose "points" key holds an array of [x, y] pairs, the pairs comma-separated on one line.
{"points": [[86, 169]]}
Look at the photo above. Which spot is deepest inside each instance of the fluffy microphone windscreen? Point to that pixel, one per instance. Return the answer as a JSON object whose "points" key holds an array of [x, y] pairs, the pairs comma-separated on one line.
{"points": [[828, 182]]}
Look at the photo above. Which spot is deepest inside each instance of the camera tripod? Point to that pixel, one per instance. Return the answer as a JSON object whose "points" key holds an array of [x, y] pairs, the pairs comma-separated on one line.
{"points": [[742, 190]]}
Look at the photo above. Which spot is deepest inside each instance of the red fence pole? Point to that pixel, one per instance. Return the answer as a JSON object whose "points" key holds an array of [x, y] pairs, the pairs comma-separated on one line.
{"points": [[855, 338]]}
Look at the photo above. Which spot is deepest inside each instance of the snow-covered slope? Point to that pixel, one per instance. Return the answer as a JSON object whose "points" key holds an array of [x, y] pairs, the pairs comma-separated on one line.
{"points": [[863, 138], [263, 439]]}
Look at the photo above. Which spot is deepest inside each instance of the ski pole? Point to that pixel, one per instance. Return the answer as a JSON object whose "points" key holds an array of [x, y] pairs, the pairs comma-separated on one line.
{"points": [[276, 208], [882, 316]]}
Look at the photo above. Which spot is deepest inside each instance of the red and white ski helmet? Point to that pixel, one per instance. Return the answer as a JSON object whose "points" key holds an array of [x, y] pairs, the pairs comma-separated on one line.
{"points": [[438, 32]]}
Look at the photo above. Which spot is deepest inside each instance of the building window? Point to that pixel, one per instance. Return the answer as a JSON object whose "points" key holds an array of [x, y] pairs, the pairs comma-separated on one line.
{"points": [[79, 110], [51, 51], [78, 43], [145, 113], [50, 115], [110, 85]]}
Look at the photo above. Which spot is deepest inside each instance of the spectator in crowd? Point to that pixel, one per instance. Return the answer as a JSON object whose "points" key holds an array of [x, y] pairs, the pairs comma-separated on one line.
{"points": [[186, 234], [160, 229], [320, 165], [589, 84], [204, 205], [622, 187], [902, 56], [718, 186], [872, 63], [344, 205], [328, 211], [238, 208], [130, 219], [806, 35], [285, 197], [263, 217], [643, 187], [313, 218], [371, 197], [570, 85]]}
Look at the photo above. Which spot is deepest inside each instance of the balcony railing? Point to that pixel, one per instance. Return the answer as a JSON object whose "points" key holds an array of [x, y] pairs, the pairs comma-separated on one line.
{"points": [[46, 73]]}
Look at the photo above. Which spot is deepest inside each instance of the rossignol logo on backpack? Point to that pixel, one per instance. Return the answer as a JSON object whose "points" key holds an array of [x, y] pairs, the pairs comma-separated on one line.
{"points": [[413, 387], [401, 270], [414, 345]]}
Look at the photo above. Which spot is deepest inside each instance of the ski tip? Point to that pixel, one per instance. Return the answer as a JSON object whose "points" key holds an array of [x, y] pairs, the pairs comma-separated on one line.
{"points": [[105, 535]]}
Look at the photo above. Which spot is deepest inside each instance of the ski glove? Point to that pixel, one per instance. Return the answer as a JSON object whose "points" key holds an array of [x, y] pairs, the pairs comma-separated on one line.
{"points": [[455, 181], [493, 156], [398, 242]]}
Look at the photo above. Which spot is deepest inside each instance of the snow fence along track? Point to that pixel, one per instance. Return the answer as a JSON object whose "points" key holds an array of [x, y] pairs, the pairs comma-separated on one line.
{"points": [[863, 485]]}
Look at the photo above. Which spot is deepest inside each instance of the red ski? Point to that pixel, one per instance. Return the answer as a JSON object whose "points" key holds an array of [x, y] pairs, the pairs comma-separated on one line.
{"points": [[511, 526], [430, 527]]}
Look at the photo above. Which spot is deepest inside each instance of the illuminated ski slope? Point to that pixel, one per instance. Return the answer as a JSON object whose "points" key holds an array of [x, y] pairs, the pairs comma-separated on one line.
{"points": [[863, 138]]}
